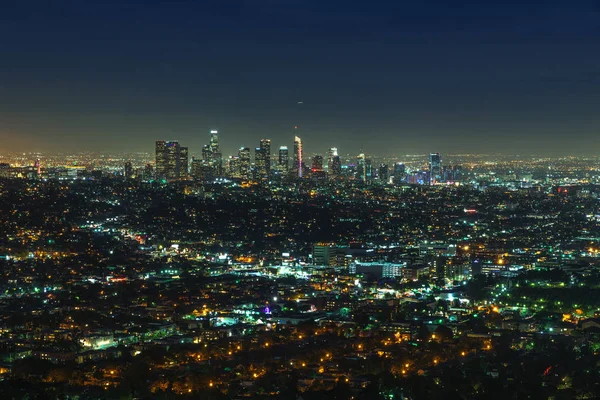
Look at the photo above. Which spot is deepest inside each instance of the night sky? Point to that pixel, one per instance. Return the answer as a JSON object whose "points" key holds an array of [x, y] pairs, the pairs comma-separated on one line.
{"points": [[391, 77]]}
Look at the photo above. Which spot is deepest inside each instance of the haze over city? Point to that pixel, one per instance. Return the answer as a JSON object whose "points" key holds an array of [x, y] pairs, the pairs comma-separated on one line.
{"points": [[402, 78]]}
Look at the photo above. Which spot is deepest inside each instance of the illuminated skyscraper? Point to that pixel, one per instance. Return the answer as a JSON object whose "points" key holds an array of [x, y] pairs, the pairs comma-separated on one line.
{"points": [[384, 173], [182, 168], [234, 167], [128, 170], [435, 169], [283, 161], [265, 147], [399, 173], [214, 141], [368, 170], [361, 170], [317, 164], [196, 170], [244, 162], [263, 159], [297, 167], [330, 155], [161, 159], [206, 153], [336, 167], [171, 160]]}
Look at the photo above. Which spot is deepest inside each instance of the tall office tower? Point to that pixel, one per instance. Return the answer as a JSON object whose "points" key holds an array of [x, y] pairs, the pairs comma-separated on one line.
{"points": [[458, 173], [259, 163], [435, 170], [148, 172], [206, 153], [298, 165], [214, 141], [128, 170], [196, 169], [399, 173], [368, 170], [263, 159], [336, 167], [171, 160], [217, 162], [244, 162], [384, 173], [234, 167], [330, 155], [361, 170], [37, 166], [183, 163], [172, 157], [317, 164], [284, 160], [161, 159]]}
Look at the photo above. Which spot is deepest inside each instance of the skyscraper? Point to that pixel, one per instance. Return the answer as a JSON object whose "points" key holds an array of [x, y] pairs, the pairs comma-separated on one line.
{"points": [[297, 167], [206, 153], [336, 167], [330, 155], [361, 170], [368, 170], [317, 163], [283, 161], [244, 162], [435, 169], [160, 150], [399, 173], [265, 146], [172, 157], [263, 159], [234, 167], [182, 168], [171, 160], [196, 168], [384, 173], [128, 170], [214, 141]]}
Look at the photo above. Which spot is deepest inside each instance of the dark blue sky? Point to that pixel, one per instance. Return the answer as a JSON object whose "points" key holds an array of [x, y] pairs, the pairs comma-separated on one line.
{"points": [[389, 77]]}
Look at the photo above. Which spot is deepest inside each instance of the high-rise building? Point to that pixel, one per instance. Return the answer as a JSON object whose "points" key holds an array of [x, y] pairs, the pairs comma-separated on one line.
{"points": [[368, 170], [196, 169], [148, 172], [298, 165], [262, 159], [384, 173], [128, 170], [361, 170], [336, 167], [160, 150], [206, 153], [244, 162], [317, 171], [330, 155], [171, 160], [435, 168], [283, 161], [183, 163], [399, 173], [214, 141], [317, 163], [234, 167]]}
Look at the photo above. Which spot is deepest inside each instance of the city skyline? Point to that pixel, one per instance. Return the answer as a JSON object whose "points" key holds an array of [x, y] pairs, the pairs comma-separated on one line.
{"points": [[502, 78]]}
